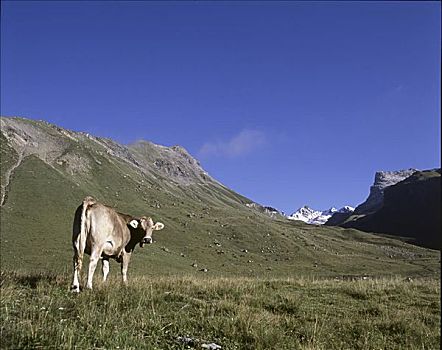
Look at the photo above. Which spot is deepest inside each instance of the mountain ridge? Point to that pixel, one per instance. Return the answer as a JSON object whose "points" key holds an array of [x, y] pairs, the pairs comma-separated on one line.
{"points": [[24, 136]]}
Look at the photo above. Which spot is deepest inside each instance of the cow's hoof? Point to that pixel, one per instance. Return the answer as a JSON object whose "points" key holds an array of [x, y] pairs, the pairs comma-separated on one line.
{"points": [[75, 289]]}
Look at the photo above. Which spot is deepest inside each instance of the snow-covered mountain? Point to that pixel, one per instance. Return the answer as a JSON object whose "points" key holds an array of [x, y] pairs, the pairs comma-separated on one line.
{"points": [[317, 217]]}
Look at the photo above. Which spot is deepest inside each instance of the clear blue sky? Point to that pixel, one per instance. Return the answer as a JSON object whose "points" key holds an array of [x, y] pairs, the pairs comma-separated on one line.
{"points": [[288, 103]]}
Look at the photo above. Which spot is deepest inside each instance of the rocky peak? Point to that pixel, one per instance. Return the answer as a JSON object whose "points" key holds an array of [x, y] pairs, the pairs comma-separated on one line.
{"points": [[174, 162]]}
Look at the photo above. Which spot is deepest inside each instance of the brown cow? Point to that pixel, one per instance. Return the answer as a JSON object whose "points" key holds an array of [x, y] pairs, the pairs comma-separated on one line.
{"points": [[103, 233]]}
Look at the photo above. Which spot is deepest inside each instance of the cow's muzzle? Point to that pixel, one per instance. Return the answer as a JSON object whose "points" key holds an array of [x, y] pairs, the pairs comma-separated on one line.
{"points": [[146, 240]]}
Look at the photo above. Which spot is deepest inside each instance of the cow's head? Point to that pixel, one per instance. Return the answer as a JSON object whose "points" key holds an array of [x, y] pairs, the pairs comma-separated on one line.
{"points": [[144, 228]]}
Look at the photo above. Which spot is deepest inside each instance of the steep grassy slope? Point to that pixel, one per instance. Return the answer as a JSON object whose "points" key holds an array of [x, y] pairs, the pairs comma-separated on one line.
{"points": [[206, 223]]}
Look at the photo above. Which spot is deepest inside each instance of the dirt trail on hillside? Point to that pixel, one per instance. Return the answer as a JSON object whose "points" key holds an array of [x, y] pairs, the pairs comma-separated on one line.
{"points": [[8, 176]]}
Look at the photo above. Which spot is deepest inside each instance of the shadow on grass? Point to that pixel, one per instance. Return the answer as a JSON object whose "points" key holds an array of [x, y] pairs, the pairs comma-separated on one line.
{"points": [[28, 280]]}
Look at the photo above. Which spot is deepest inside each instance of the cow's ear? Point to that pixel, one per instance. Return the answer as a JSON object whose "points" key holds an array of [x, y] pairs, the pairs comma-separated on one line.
{"points": [[133, 223], [158, 226]]}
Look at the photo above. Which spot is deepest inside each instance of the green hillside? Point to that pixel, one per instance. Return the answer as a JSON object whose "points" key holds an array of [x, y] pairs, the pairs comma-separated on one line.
{"points": [[205, 223]]}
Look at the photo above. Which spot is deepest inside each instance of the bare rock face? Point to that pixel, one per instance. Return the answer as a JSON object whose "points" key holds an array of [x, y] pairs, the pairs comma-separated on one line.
{"points": [[382, 180], [375, 200], [31, 138], [270, 211], [174, 162], [411, 209]]}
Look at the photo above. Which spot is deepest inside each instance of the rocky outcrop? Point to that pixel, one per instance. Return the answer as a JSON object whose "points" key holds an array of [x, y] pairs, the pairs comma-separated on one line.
{"points": [[382, 180], [374, 201], [270, 211], [411, 209], [174, 162]]}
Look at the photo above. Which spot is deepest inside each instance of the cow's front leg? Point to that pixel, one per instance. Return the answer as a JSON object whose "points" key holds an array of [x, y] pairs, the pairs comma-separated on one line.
{"points": [[105, 266], [124, 266], [95, 255]]}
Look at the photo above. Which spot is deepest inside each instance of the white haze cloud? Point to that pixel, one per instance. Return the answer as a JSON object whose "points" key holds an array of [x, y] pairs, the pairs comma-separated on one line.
{"points": [[241, 144]]}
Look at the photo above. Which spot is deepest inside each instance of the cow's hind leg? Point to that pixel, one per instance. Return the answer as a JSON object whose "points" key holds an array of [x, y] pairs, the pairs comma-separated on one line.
{"points": [[78, 263], [95, 256], [105, 263], [77, 270]]}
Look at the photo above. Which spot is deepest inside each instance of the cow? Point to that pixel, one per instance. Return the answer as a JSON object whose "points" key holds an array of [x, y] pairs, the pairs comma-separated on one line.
{"points": [[103, 233]]}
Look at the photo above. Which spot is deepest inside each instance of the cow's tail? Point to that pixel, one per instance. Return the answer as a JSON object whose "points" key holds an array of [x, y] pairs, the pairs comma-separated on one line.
{"points": [[87, 202], [79, 234]]}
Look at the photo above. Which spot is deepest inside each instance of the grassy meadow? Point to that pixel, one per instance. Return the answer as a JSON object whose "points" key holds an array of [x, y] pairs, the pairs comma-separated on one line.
{"points": [[39, 312]]}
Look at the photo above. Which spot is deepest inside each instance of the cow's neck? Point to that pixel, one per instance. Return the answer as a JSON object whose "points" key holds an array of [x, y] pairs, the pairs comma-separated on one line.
{"points": [[135, 238]]}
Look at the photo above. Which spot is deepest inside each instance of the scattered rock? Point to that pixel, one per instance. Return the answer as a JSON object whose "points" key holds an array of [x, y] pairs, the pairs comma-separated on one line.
{"points": [[244, 250], [204, 270], [194, 265], [408, 279], [353, 278], [186, 341], [189, 342], [165, 249]]}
